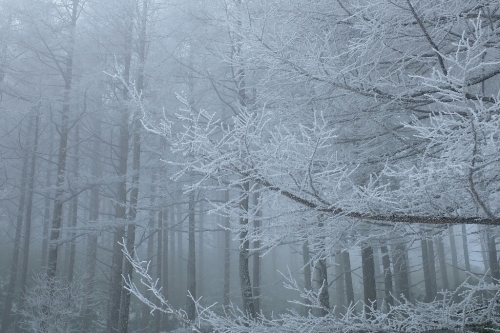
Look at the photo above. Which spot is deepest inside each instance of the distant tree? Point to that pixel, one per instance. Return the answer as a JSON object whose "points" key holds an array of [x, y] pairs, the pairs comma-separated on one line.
{"points": [[7, 309]]}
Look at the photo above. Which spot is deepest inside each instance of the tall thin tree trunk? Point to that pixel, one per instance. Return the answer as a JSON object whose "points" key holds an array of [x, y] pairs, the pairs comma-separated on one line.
{"points": [[166, 258], [379, 281], [484, 251], [246, 285], [61, 163], [322, 283], [136, 158], [7, 309], [427, 271], [400, 265], [162, 265], [191, 264], [64, 249], [274, 260], [46, 214], [121, 200], [132, 216], [465, 248], [442, 263], [322, 277], [432, 267], [306, 258], [227, 255], [408, 272], [492, 256], [74, 211], [117, 258], [349, 289], [128, 270], [93, 217], [239, 77], [369, 285], [181, 269], [339, 283], [28, 220], [256, 254], [120, 214], [171, 260], [159, 268], [152, 230], [201, 251], [386, 264], [454, 260]]}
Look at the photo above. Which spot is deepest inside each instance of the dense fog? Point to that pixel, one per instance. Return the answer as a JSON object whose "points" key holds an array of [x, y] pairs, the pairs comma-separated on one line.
{"points": [[249, 166]]}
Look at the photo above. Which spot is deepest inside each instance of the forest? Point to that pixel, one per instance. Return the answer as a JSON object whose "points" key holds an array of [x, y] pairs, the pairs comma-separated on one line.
{"points": [[246, 166]]}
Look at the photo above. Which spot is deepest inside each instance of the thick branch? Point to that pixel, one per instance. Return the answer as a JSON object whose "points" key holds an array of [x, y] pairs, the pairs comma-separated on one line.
{"points": [[403, 218]]}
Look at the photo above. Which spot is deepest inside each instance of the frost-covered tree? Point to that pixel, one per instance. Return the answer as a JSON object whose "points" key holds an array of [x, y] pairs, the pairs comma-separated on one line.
{"points": [[65, 299], [374, 115]]}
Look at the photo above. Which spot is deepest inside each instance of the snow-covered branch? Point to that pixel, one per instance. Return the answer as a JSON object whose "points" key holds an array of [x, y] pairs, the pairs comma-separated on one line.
{"points": [[478, 307]]}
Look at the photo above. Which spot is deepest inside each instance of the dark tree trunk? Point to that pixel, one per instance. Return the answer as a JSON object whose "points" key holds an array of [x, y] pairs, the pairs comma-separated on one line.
{"points": [[339, 283], [170, 224], [115, 300], [46, 214], [191, 264], [442, 263], [161, 321], [322, 281], [454, 260], [64, 249], [171, 260], [61, 164], [239, 77], [493, 258], [128, 270], [28, 220], [201, 250], [322, 277], [74, 211], [132, 216], [152, 230], [465, 248], [244, 271], [159, 270], [136, 158], [400, 265], [386, 263], [181, 269], [7, 308], [369, 285], [166, 259], [120, 214], [349, 289], [432, 268], [94, 207], [484, 251], [426, 270], [429, 296], [227, 255], [379, 281], [256, 255], [306, 258], [61, 174]]}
